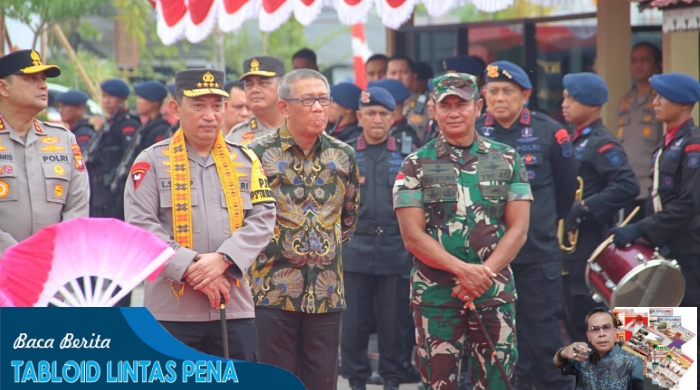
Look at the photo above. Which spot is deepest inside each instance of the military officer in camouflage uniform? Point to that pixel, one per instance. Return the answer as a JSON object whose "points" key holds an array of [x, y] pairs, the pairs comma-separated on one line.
{"points": [[260, 80], [42, 173], [71, 107], [463, 205]]}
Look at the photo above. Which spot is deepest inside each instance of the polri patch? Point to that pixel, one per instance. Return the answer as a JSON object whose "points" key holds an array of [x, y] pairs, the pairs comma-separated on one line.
{"points": [[138, 172]]}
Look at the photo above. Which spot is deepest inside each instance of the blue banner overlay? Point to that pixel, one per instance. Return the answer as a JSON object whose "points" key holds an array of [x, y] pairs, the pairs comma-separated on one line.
{"points": [[114, 348]]}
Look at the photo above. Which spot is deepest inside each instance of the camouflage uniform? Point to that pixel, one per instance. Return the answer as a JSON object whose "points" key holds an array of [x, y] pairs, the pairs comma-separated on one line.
{"points": [[464, 193]]}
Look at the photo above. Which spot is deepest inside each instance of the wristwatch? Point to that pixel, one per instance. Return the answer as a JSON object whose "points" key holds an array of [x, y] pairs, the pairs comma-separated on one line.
{"points": [[227, 259]]}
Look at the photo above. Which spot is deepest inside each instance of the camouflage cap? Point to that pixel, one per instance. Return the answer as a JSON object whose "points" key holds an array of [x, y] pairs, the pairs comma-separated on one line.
{"points": [[458, 84]]}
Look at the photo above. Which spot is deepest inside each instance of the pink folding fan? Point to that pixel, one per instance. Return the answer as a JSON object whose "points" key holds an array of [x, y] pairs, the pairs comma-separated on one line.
{"points": [[81, 262]]}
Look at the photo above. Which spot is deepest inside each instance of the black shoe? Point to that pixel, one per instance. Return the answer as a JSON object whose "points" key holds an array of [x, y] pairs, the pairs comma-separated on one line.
{"points": [[357, 384], [411, 375], [391, 384], [375, 379]]}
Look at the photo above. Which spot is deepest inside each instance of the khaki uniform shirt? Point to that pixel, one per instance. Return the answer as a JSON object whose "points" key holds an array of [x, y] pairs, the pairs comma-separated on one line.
{"points": [[42, 181], [247, 131], [148, 204], [417, 114], [640, 133]]}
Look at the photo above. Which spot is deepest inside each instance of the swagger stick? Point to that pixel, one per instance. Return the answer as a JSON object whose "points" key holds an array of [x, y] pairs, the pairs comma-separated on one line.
{"points": [[480, 324], [224, 327]]}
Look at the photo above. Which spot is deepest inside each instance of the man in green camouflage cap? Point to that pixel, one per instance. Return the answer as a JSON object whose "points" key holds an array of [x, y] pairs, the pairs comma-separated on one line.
{"points": [[463, 204]]}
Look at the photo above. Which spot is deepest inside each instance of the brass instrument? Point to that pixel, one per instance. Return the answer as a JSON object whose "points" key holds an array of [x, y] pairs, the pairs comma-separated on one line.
{"points": [[568, 240]]}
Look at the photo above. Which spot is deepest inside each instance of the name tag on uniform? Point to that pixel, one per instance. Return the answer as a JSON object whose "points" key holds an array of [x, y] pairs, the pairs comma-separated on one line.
{"points": [[488, 175], [492, 191], [437, 168], [439, 178], [440, 194]]}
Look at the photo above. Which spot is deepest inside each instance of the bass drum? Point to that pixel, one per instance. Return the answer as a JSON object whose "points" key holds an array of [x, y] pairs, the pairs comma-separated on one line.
{"points": [[635, 276]]}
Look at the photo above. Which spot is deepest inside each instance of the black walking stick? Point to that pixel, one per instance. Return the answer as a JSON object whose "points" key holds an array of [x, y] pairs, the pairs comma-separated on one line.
{"points": [[480, 324], [224, 328]]}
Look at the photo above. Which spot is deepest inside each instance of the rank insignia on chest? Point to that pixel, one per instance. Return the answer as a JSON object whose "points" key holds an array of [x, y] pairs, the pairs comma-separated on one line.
{"points": [[48, 140], [253, 124], [52, 148], [2, 148], [248, 134], [4, 189], [7, 169], [486, 131], [58, 191], [58, 170]]}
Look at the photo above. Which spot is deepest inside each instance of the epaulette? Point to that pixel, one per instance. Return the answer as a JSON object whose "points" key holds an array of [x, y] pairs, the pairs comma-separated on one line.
{"points": [[56, 126], [160, 144]]}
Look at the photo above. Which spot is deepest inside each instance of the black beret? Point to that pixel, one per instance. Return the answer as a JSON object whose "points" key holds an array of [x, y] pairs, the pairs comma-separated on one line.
{"points": [[346, 94], [116, 87], [72, 97], [377, 96], [151, 90], [586, 88]]}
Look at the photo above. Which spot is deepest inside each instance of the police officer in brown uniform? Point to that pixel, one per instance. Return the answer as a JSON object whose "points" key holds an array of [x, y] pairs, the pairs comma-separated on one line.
{"points": [[260, 80], [210, 201], [42, 173], [637, 127]]}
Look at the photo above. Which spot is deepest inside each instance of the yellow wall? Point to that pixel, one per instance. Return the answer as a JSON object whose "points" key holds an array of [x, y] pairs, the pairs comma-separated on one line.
{"points": [[681, 54], [613, 41]]}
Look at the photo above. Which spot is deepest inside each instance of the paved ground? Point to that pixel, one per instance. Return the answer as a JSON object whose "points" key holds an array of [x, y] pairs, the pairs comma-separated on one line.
{"points": [[137, 300]]}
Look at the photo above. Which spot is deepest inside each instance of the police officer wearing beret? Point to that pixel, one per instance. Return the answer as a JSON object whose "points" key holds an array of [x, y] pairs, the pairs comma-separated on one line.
{"points": [[261, 79], [71, 107], [150, 95], [608, 184], [42, 174], [107, 149], [211, 202], [673, 205], [548, 155], [400, 127], [342, 120], [376, 264]]}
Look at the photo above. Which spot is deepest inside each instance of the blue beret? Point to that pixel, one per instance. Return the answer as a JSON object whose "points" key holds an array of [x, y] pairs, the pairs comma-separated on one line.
{"points": [[676, 87], [116, 87], [395, 88], [507, 71], [463, 64], [171, 89], [346, 95], [151, 90], [587, 88], [72, 97], [377, 96]]}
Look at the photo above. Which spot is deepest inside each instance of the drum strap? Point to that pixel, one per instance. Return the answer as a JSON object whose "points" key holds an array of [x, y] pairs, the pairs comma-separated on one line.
{"points": [[655, 197]]}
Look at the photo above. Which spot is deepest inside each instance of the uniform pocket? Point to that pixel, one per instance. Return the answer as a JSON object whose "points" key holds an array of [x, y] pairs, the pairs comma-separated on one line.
{"points": [[8, 184], [56, 182]]}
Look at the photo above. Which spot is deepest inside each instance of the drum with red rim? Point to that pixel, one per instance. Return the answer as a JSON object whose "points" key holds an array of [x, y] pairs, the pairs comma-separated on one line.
{"points": [[635, 276]]}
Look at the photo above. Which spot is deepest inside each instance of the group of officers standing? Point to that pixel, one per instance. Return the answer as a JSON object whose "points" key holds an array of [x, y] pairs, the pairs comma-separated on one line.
{"points": [[444, 177]]}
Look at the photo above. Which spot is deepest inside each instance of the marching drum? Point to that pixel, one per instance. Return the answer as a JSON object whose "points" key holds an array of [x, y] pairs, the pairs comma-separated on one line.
{"points": [[635, 276]]}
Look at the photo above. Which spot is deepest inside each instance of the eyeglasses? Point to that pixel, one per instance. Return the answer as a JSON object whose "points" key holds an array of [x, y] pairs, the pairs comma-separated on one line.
{"points": [[309, 101], [596, 329]]}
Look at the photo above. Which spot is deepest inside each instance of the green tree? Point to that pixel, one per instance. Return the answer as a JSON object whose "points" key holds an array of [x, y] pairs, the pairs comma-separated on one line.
{"points": [[39, 14]]}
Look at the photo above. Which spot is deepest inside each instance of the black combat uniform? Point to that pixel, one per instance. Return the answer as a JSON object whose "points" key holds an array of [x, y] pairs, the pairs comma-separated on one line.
{"points": [[83, 131], [376, 266], [102, 159], [407, 135], [609, 183], [676, 227], [347, 133], [547, 153]]}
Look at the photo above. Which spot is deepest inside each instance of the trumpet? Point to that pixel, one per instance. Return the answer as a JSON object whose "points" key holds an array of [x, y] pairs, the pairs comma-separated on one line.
{"points": [[568, 240]]}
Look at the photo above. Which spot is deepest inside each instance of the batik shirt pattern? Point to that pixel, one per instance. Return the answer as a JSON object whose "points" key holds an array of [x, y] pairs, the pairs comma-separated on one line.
{"points": [[464, 193], [318, 198]]}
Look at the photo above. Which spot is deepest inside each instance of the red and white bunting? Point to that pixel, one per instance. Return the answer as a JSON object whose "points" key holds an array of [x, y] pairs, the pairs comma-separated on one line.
{"points": [[195, 19]]}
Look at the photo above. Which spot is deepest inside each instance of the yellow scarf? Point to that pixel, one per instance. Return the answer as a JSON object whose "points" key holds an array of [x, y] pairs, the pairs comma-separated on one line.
{"points": [[181, 190]]}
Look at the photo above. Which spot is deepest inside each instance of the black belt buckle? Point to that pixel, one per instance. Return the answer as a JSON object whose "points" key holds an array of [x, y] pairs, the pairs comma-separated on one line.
{"points": [[378, 231]]}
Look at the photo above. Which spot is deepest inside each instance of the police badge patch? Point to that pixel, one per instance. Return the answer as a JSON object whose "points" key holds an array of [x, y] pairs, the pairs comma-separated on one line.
{"points": [[486, 131]]}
